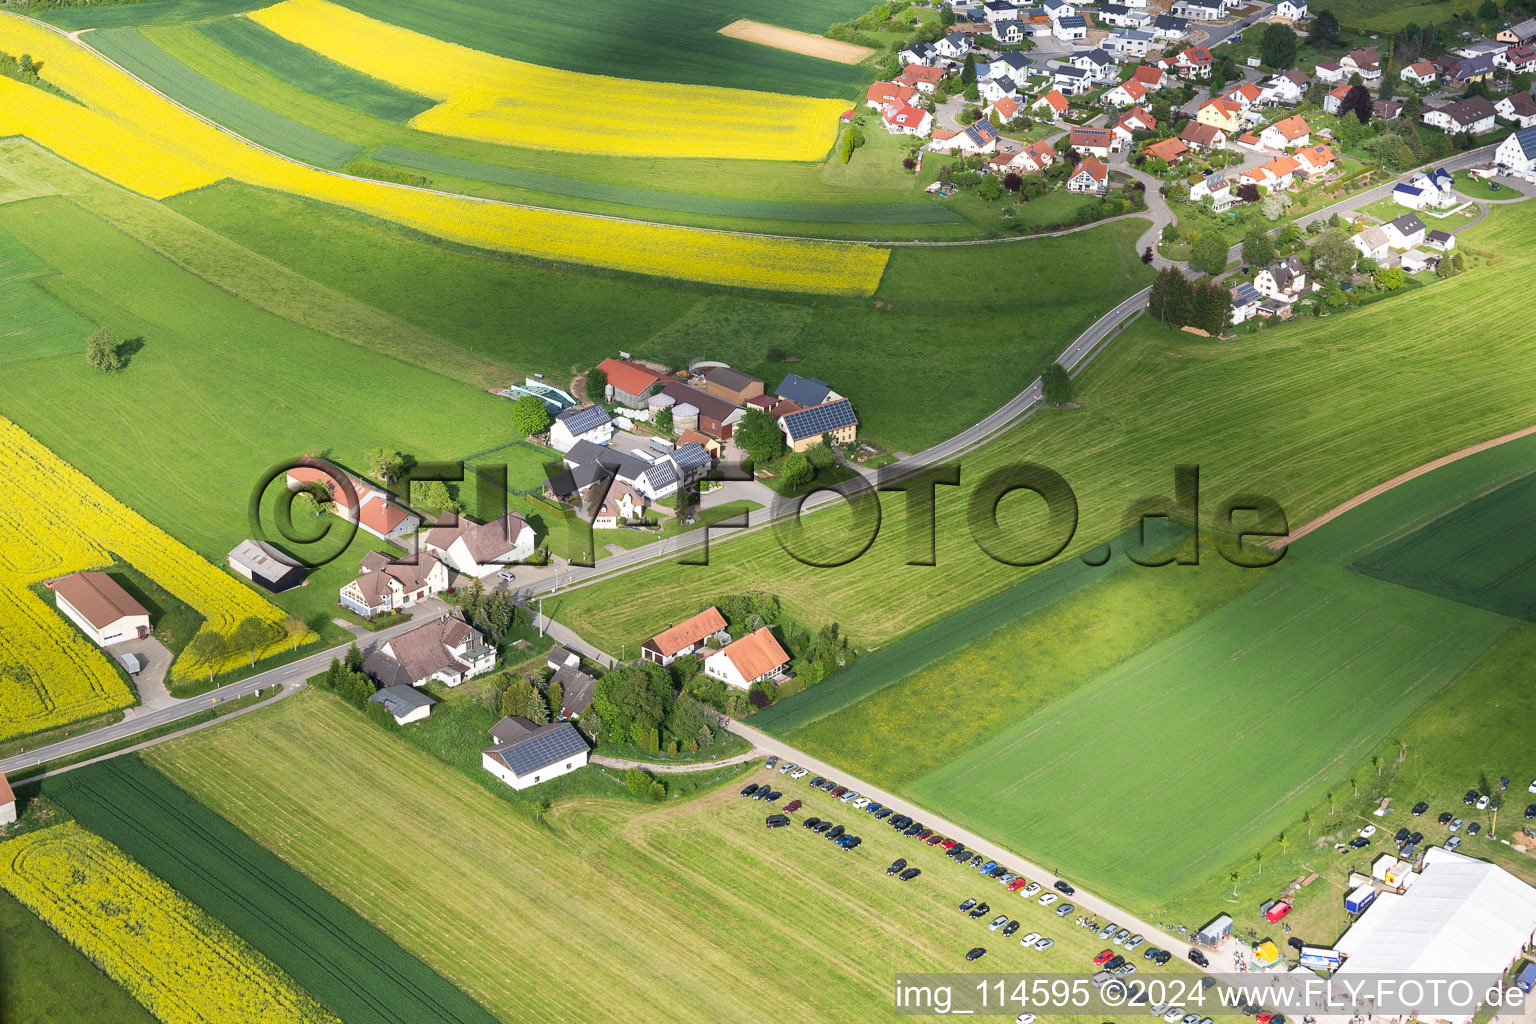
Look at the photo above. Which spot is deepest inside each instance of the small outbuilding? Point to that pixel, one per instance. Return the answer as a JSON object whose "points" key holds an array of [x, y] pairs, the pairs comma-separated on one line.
{"points": [[406, 703], [264, 564], [1213, 933], [7, 801]]}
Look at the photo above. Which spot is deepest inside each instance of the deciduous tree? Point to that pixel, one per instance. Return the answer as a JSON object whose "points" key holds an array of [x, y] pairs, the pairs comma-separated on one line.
{"points": [[530, 415], [758, 435], [102, 351], [1258, 247], [597, 385], [1056, 385], [209, 648], [385, 463]]}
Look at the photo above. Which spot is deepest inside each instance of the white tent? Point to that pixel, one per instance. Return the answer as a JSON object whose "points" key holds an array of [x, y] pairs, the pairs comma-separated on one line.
{"points": [[1462, 916]]}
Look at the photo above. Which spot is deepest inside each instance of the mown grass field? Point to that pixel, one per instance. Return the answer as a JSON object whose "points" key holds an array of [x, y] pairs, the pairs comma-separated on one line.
{"points": [[1224, 728], [343, 962], [636, 893], [44, 979], [1281, 412], [33, 324], [1391, 15]]}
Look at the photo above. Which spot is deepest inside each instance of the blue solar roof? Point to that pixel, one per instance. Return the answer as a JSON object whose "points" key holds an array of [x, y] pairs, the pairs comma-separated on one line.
{"points": [[579, 421], [660, 475], [821, 420], [1247, 292], [548, 746], [803, 390], [691, 455]]}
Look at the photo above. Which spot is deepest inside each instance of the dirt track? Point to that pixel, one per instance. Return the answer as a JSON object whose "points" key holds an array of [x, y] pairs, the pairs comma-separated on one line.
{"points": [[796, 42], [1401, 478]]}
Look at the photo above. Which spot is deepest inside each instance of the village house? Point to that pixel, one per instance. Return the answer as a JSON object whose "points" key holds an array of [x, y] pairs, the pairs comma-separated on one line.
{"points": [[576, 686], [1315, 160], [1285, 280], [586, 423], [1474, 115], [1290, 10], [1372, 243], [1121, 16], [1193, 62], [1248, 96], [1152, 78], [523, 754], [1518, 152], [447, 649], [1202, 136], [476, 549], [1127, 94], [698, 410], [921, 78], [1364, 62], [7, 802], [1245, 302], [1071, 80], [1090, 178], [1220, 113], [754, 658], [1330, 73], [1333, 100], [1471, 69], [102, 609], [1003, 110], [972, 140], [1387, 110], [805, 428], [1011, 64], [1170, 151], [1420, 73], [1132, 121], [1283, 134], [1129, 42], [355, 501], [1442, 240], [904, 119], [999, 88], [1423, 191], [385, 586], [731, 384], [1199, 10], [1169, 28], [1517, 60], [1518, 107], [1416, 261], [920, 53], [1052, 105], [1096, 62], [1217, 188], [264, 564], [405, 704], [1277, 175], [1098, 142], [807, 391], [1405, 232], [629, 382], [1518, 34], [1285, 89], [687, 637], [953, 46], [1071, 28], [1036, 157]]}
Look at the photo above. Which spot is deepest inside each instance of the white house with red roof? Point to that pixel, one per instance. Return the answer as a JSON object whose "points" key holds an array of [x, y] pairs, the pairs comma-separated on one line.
{"points": [[355, 500], [972, 140], [1132, 121], [1519, 107], [754, 658], [1248, 95], [881, 94], [1035, 157], [630, 383], [903, 119], [1153, 78], [1004, 109], [1283, 134], [1192, 62], [1517, 60], [1420, 72], [921, 77], [1316, 159], [1090, 178], [1053, 105], [1127, 94]]}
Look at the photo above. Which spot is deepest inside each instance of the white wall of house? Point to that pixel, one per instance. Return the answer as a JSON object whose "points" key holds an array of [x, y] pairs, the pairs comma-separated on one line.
{"points": [[516, 781], [7, 812], [125, 628], [562, 440]]}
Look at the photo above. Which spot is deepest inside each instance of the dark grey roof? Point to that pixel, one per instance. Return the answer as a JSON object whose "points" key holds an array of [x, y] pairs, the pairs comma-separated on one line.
{"points": [[269, 566], [1070, 71], [579, 421], [1073, 21], [805, 391], [730, 377], [1015, 60], [402, 700], [1438, 236], [1285, 271], [661, 475], [690, 456], [1407, 224], [1168, 21], [956, 37], [708, 405], [576, 689], [1098, 56], [820, 420], [1245, 292], [544, 746]]}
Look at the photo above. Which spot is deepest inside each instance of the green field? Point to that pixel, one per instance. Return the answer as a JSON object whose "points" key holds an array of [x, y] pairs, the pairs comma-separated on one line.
{"points": [[1221, 730], [45, 980], [343, 961], [1391, 15], [669, 913], [33, 324], [1281, 412], [1466, 554]]}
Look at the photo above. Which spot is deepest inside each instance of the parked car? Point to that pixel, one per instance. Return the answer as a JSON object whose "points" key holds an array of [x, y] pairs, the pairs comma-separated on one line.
{"points": [[823, 828], [1470, 797], [827, 785], [1482, 803], [1419, 808], [762, 793], [1530, 812], [948, 844], [861, 803], [837, 792], [786, 767], [792, 806], [1474, 828], [817, 781], [835, 832], [1028, 941], [1031, 888], [997, 872], [1064, 910], [976, 860], [898, 865], [1532, 787], [1024, 1018], [750, 790], [773, 759], [988, 866], [1047, 899], [980, 910], [849, 796], [1108, 930], [799, 773], [1453, 843], [1417, 837], [1125, 970], [810, 823], [1134, 941], [1197, 958], [1401, 836], [882, 814], [872, 808], [934, 840], [909, 874], [777, 821], [913, 829], [1104, 956], [1163, 956], [997, 922], [1174, 1014], [976, 954], [773, 797], [1013, 926], [967, 905], [1017, 884], [1365, 833], [1044, 944], [1445, 818], [1065, 889], [1120, 936], [1455, 826], [923, 834], [851, 843], [1150, 953], [1114, 963], [1359, 843]]}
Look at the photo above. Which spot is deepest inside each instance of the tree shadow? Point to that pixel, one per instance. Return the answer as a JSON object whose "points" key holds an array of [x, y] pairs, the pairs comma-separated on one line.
{"points": [[126, 350]]}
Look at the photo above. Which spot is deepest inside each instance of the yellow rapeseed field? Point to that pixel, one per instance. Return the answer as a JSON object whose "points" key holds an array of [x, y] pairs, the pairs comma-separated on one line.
{"points": [[512, 102], [54, 520], [132, 136], [183, 965]]}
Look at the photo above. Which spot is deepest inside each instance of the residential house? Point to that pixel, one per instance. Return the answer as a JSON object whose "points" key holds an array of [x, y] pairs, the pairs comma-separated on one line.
{"points": [[587, 423], [593, 477], [405, 704], [372, 509], [1090, 178], [1518, 152], [953, 46], [1193, 62], [1000, 87], [1129, 42], [7, 802], [1416, 261], [1220, 113], [1217, 188], [1405, 232], [701, 411], [1330, 73], [1517, 60], [1387, 110], [1011, 31], [1152, 78], [1472, 69], [630, 383], [1518, 34], [1247, 95], [1474, 115], [523, 754], [731, 384], [974, 139], [1333, 100], [808, 391], [1122, 16], [920, 53], [1442, 240], [1286, 89], [1433, 190], [1127, 94], [1283, 134], [1421, 73], [102, 609], [1132, 121], [754, 658], [905, 119], [1277, 175], [1071, 80], [1003, 110], [1096, 62], [1245, 302], [1316, 159], [1285, 280], [921, 77], [1290, 10], [1058, 9], [1363, 62], [262, 563], [1096, 141], [804, 429], [1202, 136], [576, 686], [385, 586], [881, 94], [1275, 309], [1052, 105], [1036, 157], [1170, 151], [479, 549], [1518, 107], [1071, 28], [1012, 64], [447, 649], [1372, 243], [1199, 10], [687, 637], [1169, 28]]}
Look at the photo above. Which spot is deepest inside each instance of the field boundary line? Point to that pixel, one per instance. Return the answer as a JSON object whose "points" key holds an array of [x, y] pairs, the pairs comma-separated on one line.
{"points": [[1397, 481]]}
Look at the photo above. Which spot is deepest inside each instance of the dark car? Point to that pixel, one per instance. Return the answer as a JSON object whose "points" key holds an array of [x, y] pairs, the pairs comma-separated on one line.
{"points": [[981, 908], [976, 954], [750, 790], [1359, 843], [872, 808], [1115, 963], [772, 760], [1012, 927], [817, 781], [1470, 798], [910, 873], [883, 813], [827, 785], [997, 872], [836, 832], [793, 805], [1150, 953], [897, 865], [1163, 956], [977, 860], [838, 791], [823, 827], [1402, 836], [1419, 808], [762, 793], [1416, 838], [1295, 943], [810, 823], [1445, 819], [777, 821], [1474, 828], [852, 841], [913, 829], [1198, 958], [774, 796], [1530, 812], [1065, 889], [967, 905]]}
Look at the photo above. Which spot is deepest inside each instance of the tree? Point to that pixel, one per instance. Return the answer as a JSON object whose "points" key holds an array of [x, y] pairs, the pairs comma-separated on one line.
{"points": [[1277, 46], [991, 188], [1210, 307], [1209, 254], [1012, 182], [1488, 11], [1258, 247], [968, 70], [252, 634], [433, 494], [1390, 279], [26, 66], [333, 674], [102, 351], [354, 659], [632, 698], [1146, 255], [1056, 385], [1412, 107], [1325, 28], [971, 93], [208, 647], [523, 700], [1358, 102], [385, 463], [664, 419], [556, 695], [295, 627], [845, 148], [1333, 253], [689, 719], [822, 455], [758, 435], [597, 385], [638, 782], [946, 16], [1169, 300], [1274, 206], [530, 416], [797, 470], [1248, 192]]}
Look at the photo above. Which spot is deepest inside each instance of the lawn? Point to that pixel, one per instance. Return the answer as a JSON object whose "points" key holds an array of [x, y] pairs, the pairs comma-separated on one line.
{"points": [[1279, 412], [44, 979], [1481, 188], [636, 891]]}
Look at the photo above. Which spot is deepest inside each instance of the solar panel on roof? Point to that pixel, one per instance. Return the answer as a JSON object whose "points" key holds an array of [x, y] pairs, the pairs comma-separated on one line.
{"points": [[821, 420], [544, 749], [690, 455]]}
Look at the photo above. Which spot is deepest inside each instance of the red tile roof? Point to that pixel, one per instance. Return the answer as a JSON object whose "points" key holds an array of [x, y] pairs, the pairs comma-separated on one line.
{"points": [[688, 632], [630, 378], [756, 654]]}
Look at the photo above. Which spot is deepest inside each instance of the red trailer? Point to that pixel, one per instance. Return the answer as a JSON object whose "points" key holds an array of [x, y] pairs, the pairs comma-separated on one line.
{"points": [[1277, 911]]}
